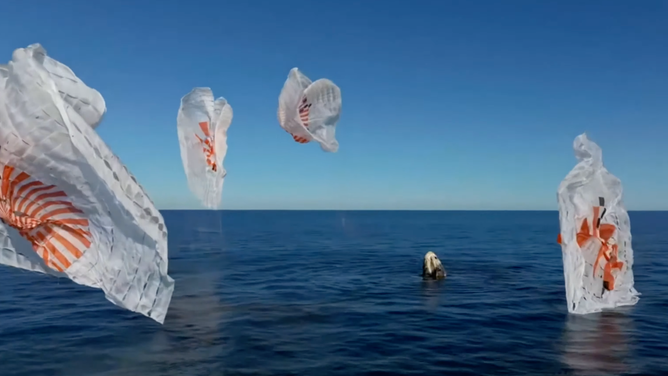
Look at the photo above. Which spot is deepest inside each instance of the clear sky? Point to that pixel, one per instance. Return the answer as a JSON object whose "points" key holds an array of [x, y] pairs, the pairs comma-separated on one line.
{"points": [[446, 104]]}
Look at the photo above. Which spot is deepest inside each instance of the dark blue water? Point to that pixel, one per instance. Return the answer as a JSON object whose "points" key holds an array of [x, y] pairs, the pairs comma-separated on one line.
{"points": [[340, 293]]}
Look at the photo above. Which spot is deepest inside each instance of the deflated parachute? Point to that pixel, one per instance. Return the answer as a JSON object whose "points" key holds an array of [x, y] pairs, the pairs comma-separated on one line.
{"points": [[69, 207], [595, 235], [87, 102], [202, 125], [310, 111]]}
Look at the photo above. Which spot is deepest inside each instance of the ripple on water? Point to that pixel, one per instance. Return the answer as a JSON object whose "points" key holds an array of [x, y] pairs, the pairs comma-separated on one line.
{"points": [[340, 293]]}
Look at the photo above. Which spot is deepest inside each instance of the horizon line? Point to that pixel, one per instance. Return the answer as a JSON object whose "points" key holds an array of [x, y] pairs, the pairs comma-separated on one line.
{"points": [[404, 210]]}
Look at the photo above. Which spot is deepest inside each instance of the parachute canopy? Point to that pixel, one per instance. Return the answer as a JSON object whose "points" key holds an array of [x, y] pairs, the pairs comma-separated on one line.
{"points": [[310, 111], [68, 205], [202, 125], [595, 235], [87, 102]]}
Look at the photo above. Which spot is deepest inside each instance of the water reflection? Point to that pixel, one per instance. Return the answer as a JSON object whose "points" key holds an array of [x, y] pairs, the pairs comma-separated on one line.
{"points": [[597, 344], [431, 293], [190, 340]]}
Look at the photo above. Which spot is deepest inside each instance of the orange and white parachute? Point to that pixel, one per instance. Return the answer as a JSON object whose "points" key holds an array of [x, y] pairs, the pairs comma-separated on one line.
{"points": [[202, 125], [595, 235], [310, 111], [69, 207]]}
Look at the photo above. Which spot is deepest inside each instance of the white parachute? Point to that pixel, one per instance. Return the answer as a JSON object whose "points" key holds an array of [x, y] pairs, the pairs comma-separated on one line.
{"points": [[69, 207], [595, 235], [87, 102], [203, 155], [310, 111]]}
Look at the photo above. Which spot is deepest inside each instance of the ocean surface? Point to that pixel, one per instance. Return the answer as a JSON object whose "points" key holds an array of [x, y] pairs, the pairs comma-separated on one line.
{"points": [[340, 293]]}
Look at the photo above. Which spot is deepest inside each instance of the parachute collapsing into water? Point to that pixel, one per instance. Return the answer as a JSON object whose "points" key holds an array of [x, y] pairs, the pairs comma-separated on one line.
{"points": [[69, 207], [595, 235], [310, 111], [202, 125]]}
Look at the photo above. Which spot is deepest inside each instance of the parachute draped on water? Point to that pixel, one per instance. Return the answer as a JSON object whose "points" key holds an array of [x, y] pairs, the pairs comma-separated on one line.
{"points": [[310, 111], [595, 235], [69, 207], [202, 125]]}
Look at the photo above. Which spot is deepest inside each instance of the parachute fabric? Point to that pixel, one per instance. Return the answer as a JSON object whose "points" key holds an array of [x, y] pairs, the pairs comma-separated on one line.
{"points": [[68, 205], [310, 111], [595, 235], [87, 102], [202, 125]]}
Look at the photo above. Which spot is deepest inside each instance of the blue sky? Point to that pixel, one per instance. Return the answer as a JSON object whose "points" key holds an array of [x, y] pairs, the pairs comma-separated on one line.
{"points": [[446, 104]]}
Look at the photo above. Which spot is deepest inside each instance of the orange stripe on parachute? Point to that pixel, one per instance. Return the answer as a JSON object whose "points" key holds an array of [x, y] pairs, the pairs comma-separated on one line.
{"points": [[6, 173], [43, 222], [304, 113], [300, 139], [208, 149], [204, 125], [602, 233]]}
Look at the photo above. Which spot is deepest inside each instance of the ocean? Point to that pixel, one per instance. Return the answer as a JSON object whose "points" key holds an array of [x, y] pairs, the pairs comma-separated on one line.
{"points": [[340, 293]]}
